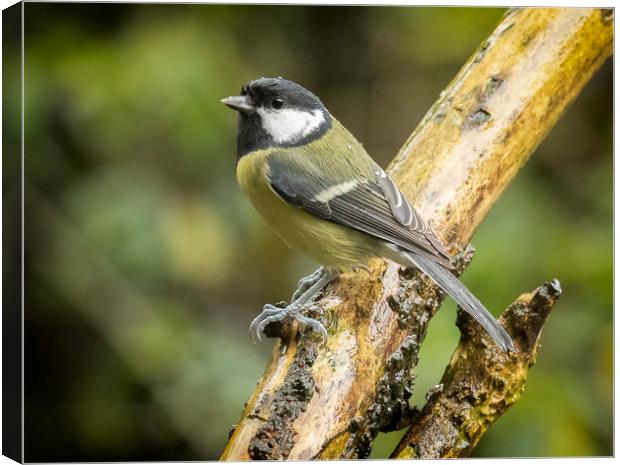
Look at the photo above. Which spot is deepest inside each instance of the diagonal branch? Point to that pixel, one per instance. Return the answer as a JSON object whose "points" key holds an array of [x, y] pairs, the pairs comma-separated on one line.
{"points": [[479, 384], [330, 402]]}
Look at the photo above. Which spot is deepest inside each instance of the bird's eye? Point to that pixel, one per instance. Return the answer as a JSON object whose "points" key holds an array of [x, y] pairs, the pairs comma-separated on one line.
{"points": [[277, 103]]}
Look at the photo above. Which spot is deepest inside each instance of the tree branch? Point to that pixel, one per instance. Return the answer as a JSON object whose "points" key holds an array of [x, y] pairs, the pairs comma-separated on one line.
{"points": [[331, 401], [480, 383]]}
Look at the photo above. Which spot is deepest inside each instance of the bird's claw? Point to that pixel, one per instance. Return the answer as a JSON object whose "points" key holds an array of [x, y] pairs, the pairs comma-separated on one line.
{"points": [[272, 314], [315, 325], [260, 322]]}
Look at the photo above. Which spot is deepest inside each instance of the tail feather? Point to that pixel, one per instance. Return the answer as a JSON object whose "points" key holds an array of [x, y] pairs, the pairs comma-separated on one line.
{"points": [[468, 302]]}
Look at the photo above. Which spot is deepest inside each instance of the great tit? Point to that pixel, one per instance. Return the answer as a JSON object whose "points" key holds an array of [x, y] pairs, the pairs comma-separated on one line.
{"points": [[323, 195]]}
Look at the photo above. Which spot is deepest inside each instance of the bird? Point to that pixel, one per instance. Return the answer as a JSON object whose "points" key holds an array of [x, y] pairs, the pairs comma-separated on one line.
{"points": [[323, 195]]}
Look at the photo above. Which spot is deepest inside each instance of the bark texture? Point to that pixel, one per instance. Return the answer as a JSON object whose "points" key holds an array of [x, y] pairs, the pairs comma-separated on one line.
{"points": [[330, 401], [479, 384]]}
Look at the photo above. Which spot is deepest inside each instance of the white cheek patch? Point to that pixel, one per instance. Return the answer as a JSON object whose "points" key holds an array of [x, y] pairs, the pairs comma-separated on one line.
{"points": [[288, 125]]}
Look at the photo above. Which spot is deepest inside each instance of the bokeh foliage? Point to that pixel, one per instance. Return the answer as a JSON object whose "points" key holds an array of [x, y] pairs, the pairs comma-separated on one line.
{"points": [[145, 265]]}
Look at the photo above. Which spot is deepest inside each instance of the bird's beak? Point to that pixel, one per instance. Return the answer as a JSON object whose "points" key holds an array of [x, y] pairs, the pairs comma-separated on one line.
{"points": [[241, 103]]}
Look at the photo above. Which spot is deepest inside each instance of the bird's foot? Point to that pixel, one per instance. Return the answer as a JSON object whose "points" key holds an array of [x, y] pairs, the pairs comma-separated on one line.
{"points": [[273, 314], [306, 283]]}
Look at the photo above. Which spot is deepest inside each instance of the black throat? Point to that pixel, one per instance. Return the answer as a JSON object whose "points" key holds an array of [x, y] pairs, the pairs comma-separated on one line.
{"points": [[251, 136]]}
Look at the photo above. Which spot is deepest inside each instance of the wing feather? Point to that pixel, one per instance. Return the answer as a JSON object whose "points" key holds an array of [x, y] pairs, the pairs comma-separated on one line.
{"points": [[373, 206]]}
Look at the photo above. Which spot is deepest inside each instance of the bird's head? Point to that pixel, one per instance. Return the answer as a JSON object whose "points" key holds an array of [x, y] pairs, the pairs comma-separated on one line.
{"points": [[275, 112]]}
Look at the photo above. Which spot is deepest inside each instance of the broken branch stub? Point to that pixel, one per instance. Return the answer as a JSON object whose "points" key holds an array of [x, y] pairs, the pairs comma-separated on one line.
{"points": [[330, 401], [480, 383]]}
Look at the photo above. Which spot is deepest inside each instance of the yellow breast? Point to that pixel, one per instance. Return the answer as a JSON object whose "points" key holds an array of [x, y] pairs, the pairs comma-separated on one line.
{"points": [[332, 245]]}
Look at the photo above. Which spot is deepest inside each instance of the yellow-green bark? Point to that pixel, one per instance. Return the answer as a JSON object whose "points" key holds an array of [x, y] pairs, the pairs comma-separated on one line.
{"points": [[330, 402]]}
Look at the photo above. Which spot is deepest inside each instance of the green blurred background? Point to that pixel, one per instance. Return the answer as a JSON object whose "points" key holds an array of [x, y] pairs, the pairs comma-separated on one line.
{"points": [[145, 264]]}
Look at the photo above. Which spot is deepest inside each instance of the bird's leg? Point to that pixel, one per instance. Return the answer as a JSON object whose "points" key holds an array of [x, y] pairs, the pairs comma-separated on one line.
{"points": [[271, 313], [306, 283]]}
